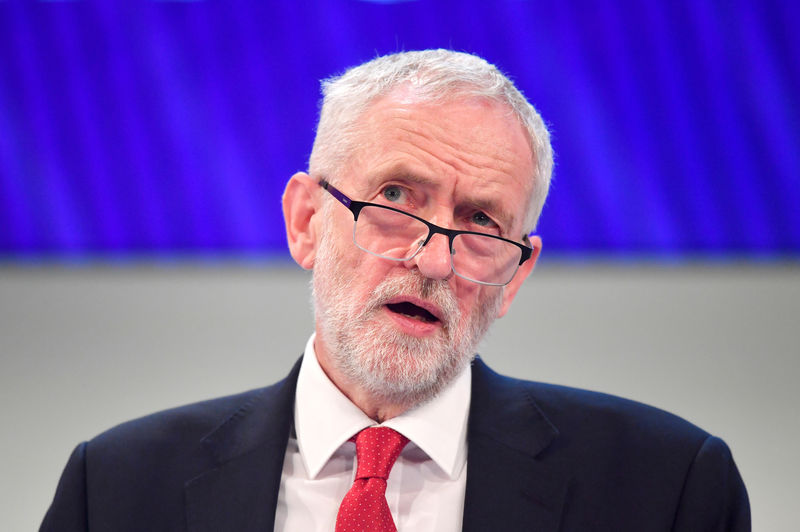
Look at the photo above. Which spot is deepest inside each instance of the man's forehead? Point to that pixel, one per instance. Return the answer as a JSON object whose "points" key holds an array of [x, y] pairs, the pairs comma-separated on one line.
{"points": [[467, 118], [493, 173]]}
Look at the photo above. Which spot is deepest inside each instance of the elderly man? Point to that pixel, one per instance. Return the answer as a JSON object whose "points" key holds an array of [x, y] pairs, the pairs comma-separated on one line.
{"points": [[428, 173]]}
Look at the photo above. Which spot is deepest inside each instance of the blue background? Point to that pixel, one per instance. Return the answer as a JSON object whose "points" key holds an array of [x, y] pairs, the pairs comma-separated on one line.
{"points": [[168, 129]]}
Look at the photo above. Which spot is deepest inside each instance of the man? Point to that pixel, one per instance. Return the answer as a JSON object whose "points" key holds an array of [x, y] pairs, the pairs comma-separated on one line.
{"points": [[427, 175]]}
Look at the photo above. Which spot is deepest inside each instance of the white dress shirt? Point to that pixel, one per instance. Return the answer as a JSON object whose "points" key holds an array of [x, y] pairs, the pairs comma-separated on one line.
{"points": [[425, 490]]}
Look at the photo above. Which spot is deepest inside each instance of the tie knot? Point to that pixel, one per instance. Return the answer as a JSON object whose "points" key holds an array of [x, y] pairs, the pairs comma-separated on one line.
{"points": [[377, 449]]}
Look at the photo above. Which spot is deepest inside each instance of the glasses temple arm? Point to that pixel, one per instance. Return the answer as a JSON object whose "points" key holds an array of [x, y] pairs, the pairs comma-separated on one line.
{"points": [[336, 193]]}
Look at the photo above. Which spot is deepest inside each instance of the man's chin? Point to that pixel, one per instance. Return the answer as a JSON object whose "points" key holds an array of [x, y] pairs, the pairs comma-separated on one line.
{"points": [[404, 369]]}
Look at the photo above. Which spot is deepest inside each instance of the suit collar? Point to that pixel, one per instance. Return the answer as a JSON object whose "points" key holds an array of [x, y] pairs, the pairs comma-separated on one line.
{"points": [[240, 489], [510, 482], [504, 410]]}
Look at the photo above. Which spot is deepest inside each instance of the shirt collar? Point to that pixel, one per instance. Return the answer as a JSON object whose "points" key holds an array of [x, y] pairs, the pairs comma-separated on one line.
{"points": [[325, 419]]}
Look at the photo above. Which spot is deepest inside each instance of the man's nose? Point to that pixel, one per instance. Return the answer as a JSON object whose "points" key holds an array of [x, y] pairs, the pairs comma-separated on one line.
{"points": [[433, 260]]}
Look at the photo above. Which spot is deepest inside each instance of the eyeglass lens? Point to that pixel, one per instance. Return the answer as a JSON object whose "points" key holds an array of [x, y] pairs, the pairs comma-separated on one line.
{"points": [[397, 236]]}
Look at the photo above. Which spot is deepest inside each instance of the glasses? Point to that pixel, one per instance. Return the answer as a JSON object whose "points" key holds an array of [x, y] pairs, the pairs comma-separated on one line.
{"points": [[393, 234]]}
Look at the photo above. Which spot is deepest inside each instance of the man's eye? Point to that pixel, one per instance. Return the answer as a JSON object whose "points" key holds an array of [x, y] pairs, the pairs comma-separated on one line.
{"points": [[480, 218], [393, 193]]}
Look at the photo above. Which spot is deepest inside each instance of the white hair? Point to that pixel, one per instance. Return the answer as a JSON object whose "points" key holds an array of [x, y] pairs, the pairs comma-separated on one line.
{"points": [[436, 76]]}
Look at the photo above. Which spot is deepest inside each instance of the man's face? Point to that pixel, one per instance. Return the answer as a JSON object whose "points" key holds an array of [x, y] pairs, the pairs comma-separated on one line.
{"points": [[403, 330]]}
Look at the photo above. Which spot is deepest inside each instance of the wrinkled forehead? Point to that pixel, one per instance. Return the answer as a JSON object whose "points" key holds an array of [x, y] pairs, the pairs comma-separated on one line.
{"points": [[475, 142], [411, 95]]}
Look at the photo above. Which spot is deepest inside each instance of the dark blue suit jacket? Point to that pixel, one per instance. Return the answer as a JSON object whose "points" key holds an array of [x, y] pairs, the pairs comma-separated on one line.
{"points": [[541, 457]]}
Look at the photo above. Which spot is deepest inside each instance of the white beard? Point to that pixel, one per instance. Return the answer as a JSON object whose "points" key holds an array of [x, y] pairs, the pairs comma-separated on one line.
{"points": [[387, 364]]}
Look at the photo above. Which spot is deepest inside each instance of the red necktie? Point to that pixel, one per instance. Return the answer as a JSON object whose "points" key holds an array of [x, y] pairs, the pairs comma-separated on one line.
{"points": [[364, 507]]}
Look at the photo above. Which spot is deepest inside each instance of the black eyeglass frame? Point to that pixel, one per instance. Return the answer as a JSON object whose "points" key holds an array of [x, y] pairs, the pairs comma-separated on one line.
{"points": [[356, 206]]}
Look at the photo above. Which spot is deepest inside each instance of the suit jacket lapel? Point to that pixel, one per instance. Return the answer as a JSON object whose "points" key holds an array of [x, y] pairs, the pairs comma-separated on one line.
{"points": [[240, 490], [510, 483]]}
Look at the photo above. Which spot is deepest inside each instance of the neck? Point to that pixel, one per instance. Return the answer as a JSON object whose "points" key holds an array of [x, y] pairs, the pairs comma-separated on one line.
{"points": [[376, 408]]}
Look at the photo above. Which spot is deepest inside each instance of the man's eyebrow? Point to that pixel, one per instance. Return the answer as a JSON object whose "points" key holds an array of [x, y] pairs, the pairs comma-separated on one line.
{"points": [[402, 174], [488, 205]]}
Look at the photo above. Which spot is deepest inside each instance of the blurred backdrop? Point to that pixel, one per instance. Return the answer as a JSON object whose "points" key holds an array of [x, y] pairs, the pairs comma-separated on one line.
{"points": [[144, 147], [163, 129]]}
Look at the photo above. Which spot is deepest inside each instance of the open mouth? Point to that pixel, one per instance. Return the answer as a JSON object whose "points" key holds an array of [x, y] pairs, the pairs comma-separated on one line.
{"points": [[412, 311]]}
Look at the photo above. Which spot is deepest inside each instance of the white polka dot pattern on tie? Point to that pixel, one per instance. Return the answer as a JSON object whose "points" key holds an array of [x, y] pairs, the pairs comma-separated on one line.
{"points": [[364, 507]]}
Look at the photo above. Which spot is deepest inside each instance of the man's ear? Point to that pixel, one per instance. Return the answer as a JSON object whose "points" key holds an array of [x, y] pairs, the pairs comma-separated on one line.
{"points": [[300, 204], [525, 269]]}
